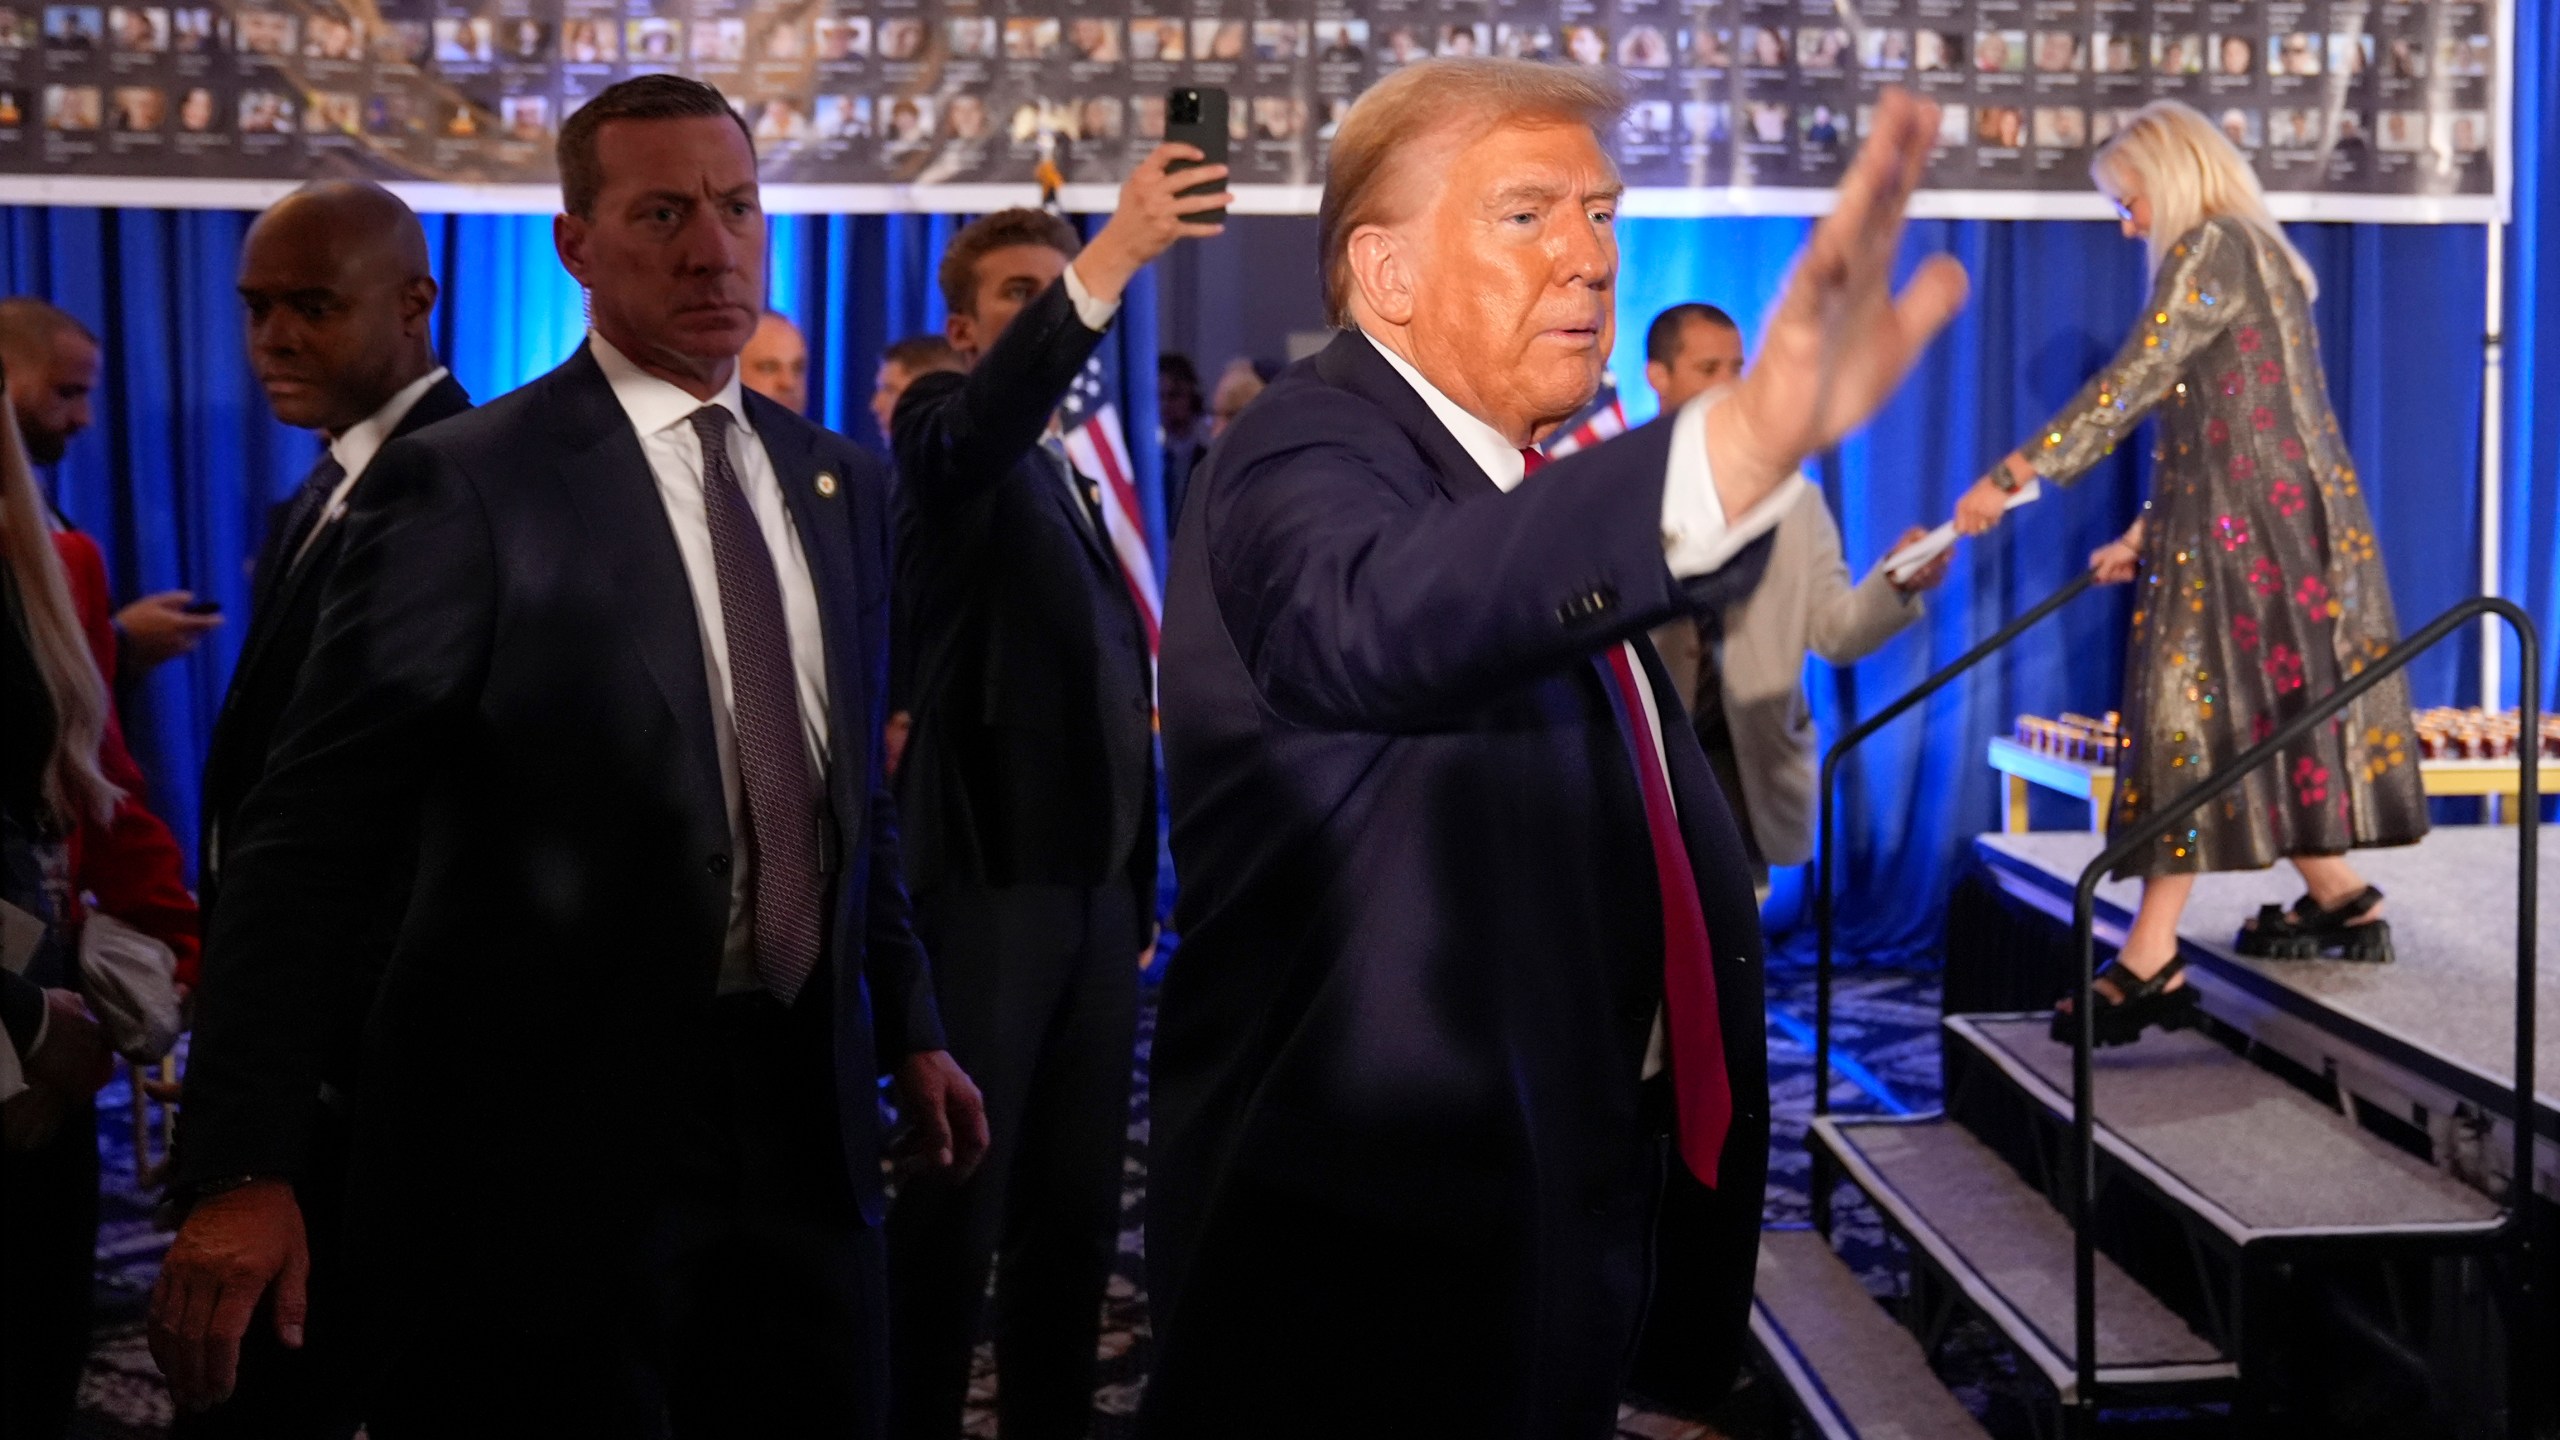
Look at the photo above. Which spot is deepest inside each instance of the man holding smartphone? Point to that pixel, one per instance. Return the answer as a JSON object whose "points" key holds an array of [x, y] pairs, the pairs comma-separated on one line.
{"points": [[1029, 793]]}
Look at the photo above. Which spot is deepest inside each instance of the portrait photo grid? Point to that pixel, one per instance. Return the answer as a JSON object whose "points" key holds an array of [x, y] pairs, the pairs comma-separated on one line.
{"points": [[2354, 97]]}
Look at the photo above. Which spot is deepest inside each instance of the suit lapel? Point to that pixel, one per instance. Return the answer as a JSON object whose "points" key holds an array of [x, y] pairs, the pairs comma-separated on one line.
{"points": [[286, 570], [597, 462], [825, 528], [1070, 506], [285, 520], [1352, 361], [277, 580]]}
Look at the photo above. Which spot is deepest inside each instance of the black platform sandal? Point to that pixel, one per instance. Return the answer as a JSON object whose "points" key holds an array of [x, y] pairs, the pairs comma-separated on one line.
{"points": [[2310, 932], [2145, 1003]]}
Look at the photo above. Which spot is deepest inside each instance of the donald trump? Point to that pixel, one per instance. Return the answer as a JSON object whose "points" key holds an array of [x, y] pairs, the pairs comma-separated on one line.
{"points": [[1470, 950]]}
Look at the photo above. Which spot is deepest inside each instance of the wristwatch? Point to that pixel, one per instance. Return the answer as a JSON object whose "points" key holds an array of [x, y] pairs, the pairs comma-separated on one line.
{"points": [[2002, 481]]}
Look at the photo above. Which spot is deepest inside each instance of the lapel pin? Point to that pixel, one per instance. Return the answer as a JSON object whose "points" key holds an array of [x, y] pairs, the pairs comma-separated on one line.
{"points": [[827, 483]]}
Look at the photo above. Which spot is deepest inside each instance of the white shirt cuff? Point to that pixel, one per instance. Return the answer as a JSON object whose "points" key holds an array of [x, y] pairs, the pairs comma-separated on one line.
{"points": [[1692, 515], [1697, 538], [1096, 314]]}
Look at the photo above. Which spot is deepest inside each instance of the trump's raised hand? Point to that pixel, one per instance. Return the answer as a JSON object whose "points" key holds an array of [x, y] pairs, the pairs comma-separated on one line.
{"points": [[1840, 341]]}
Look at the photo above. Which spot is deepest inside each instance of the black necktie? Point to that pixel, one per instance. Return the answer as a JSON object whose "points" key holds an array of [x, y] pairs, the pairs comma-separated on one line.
{"points": [[309, 504], [764, 699]]}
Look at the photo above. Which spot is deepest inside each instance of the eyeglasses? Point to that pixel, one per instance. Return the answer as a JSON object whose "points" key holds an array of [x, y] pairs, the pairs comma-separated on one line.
{"points": [[2124, 208]]}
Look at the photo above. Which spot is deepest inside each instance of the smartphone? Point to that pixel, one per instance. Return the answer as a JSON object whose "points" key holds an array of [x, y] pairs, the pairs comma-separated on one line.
{"points": [[204, 607], [1197, 116]]}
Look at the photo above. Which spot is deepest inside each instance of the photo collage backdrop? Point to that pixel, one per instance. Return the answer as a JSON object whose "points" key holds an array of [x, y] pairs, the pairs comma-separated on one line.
{"points": [[2355, 97]]}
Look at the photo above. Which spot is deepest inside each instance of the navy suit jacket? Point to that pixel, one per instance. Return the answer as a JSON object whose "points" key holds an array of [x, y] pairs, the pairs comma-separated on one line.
{"points": [[1033, 757], [1422, 939], [504, 740], [284, 610]]}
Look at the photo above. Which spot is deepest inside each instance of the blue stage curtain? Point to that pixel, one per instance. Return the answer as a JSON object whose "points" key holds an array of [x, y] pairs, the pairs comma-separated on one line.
{"points": [[2400, 319], [184, 460], [187, 459], [2531, 512]]}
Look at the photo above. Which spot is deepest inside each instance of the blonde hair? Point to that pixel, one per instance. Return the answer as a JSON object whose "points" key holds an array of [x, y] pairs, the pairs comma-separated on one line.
{"points": [[1381, 140], [2189, 172], [73, 784]]}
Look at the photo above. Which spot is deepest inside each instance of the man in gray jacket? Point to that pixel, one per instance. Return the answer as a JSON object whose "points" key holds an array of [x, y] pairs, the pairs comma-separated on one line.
{"points": [[1741, 668]]}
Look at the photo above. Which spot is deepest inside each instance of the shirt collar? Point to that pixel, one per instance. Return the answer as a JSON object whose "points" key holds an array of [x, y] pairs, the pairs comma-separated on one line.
{"points": [[654, 404], [1499, 458], [355, 448]]}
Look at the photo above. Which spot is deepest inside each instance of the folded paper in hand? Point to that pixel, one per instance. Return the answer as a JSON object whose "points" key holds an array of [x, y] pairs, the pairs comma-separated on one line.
{"points": [[1905, 562]]}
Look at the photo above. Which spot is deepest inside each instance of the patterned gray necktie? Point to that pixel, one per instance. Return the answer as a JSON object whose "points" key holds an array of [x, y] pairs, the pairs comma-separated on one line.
{"points": [[773, 757]]}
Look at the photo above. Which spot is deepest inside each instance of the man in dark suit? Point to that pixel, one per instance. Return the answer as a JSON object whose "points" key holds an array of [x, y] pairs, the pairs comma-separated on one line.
{"points": [[1469, 949], [335, 282], [1029, 790], [589, 722]]}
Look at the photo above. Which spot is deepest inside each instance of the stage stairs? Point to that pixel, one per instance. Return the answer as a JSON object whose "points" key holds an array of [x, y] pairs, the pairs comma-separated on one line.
{"points": [[2231, 1202]]}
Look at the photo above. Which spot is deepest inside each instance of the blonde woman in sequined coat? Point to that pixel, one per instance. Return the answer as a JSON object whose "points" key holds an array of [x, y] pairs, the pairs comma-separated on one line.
{"points": [[2260, 582]]}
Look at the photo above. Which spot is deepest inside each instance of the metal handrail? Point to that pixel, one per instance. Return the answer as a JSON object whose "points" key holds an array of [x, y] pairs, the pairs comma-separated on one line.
{"points": [[1822, 916], [2517, 1224]]}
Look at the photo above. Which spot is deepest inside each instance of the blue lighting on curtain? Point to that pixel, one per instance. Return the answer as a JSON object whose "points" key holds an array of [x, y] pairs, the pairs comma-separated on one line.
{"points": [[2400, 336], [186, 459], [2530, 573], [176, 478]]}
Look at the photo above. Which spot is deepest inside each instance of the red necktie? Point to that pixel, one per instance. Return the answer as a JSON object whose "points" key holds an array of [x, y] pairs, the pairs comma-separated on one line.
{"points": [[1701, 1093]]}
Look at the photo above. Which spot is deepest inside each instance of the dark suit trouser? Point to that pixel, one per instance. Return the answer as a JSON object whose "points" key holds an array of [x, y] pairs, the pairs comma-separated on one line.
{"points": [[1301, 1318], [751, 1306], [1691, 1345], [304, 1394], [1038, 986], [48, 1264]]}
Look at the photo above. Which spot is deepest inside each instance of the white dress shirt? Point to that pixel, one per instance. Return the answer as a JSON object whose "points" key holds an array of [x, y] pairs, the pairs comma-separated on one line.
{"points": [[1696, 540], [1096, 313], [662, 414], [355, 448]]}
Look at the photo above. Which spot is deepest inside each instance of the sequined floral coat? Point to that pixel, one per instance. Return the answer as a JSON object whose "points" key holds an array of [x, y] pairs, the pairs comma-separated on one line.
{"points": [[2261, 582]]}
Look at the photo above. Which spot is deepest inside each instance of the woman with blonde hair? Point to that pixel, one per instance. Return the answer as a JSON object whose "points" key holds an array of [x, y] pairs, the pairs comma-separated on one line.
{"points": [[2261, 580], [53, 709]]}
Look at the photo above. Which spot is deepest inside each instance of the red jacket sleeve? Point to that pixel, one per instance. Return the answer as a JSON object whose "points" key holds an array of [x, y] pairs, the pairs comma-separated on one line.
{"points": [[131, 864]]}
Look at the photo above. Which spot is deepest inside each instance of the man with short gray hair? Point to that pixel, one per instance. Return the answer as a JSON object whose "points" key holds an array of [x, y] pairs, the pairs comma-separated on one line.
{"points": [[1470, 951]]}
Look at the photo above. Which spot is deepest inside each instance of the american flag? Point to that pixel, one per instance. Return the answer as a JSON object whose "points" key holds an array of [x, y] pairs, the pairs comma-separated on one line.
{"points": [[1090, 426], [1603, 419]]}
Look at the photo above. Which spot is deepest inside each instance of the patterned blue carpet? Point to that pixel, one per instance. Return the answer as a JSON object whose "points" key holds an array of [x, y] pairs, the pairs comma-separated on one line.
{"points": [[1886, 1030]]}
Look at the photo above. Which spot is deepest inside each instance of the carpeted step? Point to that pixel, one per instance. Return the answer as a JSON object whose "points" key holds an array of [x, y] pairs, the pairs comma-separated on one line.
{"points": [[2235, 1145], [2008, 1252], [1851, 1371]]}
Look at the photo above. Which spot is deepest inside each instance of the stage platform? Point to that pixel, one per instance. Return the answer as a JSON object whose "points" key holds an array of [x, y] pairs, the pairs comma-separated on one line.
{"points": [[2426, 1041]]}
